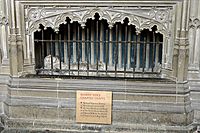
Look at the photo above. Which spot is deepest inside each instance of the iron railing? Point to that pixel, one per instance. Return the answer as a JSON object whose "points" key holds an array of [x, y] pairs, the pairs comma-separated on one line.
{"points": [[89, 53]]}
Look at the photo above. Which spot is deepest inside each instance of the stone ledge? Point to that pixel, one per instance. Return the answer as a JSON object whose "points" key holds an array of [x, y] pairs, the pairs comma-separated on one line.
{"points": [[25, 126]]}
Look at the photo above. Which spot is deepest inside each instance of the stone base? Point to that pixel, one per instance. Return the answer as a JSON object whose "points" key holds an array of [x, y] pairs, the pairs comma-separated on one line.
{"points": [[41, 104]]}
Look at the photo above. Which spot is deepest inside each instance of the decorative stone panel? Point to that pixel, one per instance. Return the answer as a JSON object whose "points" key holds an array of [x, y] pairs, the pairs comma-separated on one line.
{"points": [[141, 17]]}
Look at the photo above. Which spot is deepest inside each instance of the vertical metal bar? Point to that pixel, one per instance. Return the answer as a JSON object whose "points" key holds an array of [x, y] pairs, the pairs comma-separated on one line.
{"points": [[60, 51], [107, 44], [51, 53], [97, 45], [68, 47], [125, 53], [78, 40], [88, 33], [120, 46], [144, 55], [110, 47], [116, 50], [152, 61]]}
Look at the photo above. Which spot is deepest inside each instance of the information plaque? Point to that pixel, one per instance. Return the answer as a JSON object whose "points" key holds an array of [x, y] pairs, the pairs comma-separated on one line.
{"points": [[94, 107]]}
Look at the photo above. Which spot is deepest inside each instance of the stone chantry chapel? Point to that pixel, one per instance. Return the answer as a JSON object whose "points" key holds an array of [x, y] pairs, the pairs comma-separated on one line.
{"points": [[141, 56]]}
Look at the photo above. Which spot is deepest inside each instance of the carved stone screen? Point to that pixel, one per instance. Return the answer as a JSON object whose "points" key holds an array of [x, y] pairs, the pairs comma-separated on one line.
{"points": [[94, 107]]}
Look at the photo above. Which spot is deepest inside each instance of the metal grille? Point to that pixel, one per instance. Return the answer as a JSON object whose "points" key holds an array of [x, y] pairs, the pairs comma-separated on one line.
{"points": [[98, 50]]}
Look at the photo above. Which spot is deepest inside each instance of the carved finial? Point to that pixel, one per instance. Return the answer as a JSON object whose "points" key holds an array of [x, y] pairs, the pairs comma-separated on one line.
{"points": [[83, 25], [138, 31], [56, 30]]}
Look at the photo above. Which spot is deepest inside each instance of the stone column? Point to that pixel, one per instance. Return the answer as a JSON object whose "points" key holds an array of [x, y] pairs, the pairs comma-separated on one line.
{"points": [[138, 53], [147, 52], [57, 44], [129, 49], [192, 38], [83, 45], [32, 48], [92, 43], [101, 39], [120, 47], [65, 46], [13, 41], [74, 43], [157, 52], [110, 46], [18, 10], [183, 44]]}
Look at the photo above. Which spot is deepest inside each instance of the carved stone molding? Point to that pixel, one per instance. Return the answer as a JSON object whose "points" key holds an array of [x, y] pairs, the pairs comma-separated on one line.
{"points": [[181, 42], [194, 23], [142, 18], [3, 20]]}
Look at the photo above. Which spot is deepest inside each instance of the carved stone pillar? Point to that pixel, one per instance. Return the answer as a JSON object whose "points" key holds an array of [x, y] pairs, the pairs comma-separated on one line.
{"points": [[12, 54], [15, 42], [182, 43], [182, 58]]}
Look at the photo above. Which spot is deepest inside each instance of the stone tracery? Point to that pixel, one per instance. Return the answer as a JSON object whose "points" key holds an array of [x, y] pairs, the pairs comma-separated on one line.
{"points": [[141, 18]]}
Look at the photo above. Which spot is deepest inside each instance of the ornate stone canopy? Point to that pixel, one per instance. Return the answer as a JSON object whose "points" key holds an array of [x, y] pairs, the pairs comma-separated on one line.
{"points": [[141, 17]]}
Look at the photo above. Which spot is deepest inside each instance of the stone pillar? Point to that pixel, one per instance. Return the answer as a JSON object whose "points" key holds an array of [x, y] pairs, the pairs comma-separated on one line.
{"points": [[65, 46], [74, 43], [110, 46], [15, 40], [138, 53], [120, 47], [19, 33], [92, 42], [32, 48], [83, 45], [147, 53], [129, 49], [57, 45], [101, 39]]}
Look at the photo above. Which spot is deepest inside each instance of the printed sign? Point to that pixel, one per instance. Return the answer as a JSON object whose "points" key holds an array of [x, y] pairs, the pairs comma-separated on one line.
{"points": [[93, 107]]}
